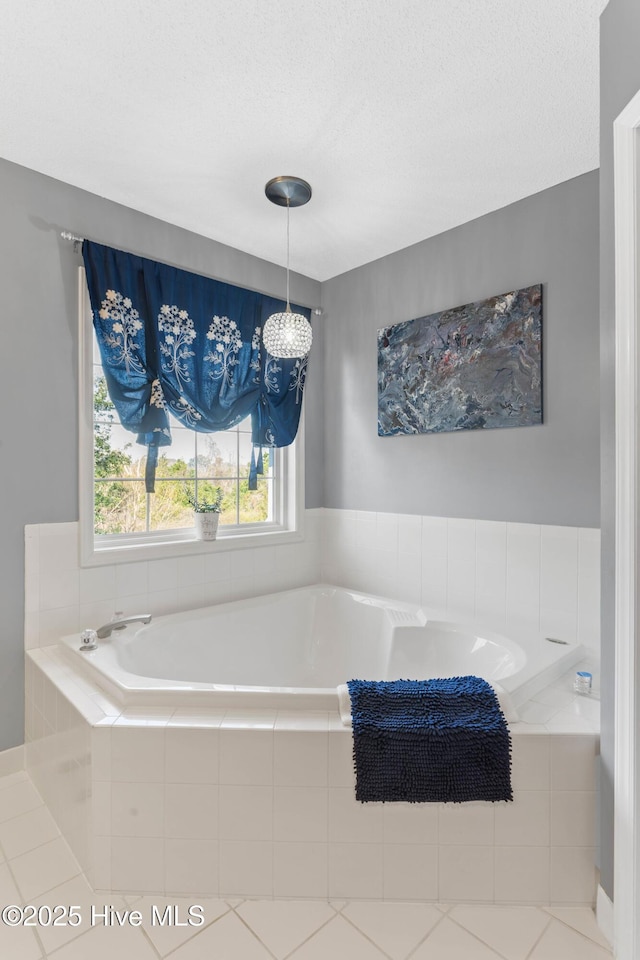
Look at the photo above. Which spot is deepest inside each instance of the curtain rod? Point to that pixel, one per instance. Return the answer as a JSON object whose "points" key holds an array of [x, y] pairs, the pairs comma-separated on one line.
{"points": [[72, 238]]}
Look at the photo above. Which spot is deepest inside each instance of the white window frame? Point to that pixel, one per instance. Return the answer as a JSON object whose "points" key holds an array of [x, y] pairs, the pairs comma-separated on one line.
{"points": [[155, 545]]}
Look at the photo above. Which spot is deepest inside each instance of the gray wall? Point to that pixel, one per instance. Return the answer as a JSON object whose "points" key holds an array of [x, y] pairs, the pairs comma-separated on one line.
{"points": [[39, 367], [619, 82], [543, 474]]}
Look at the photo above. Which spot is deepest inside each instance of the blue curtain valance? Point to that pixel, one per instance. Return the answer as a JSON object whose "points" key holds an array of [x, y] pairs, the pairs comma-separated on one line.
{"points": [[174, 340]]}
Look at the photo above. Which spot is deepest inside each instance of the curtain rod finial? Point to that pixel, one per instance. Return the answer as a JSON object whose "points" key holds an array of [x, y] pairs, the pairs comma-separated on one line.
{"points": [[71, 236]]}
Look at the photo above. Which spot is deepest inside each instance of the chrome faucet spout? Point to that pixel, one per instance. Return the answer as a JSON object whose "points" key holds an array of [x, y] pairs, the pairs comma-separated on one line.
{"points": [[106, 630]]}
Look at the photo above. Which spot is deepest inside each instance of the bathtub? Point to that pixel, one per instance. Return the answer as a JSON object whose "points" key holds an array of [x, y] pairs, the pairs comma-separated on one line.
{"points": [[290, 650]]}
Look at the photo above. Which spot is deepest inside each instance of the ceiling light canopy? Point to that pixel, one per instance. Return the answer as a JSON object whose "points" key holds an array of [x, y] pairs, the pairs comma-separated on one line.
{"points": [[287, 335]]}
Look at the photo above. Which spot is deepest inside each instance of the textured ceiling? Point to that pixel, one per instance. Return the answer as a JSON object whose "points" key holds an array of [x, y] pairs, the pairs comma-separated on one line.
{"points": [[408, 117]]}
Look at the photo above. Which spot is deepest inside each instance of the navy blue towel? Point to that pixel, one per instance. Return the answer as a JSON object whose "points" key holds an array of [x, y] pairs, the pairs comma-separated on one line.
{"points": [[429, 741]]}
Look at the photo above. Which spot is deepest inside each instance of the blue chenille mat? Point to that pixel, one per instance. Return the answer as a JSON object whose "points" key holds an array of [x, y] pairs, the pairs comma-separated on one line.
{"points": [[429, 741]]}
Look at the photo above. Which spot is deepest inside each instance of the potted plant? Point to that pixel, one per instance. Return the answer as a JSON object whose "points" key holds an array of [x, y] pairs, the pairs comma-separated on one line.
{"points": [[206, 511]]}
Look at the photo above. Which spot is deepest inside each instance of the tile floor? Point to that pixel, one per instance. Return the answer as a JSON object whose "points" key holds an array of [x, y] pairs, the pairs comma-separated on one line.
{"points": [[37, 868]]}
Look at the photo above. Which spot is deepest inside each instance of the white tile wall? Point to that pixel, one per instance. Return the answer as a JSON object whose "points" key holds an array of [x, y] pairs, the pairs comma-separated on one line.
{"points": [[466, 873], [468, 824], [300, 814], [190, 866], [231, 804], [525, 822], [62, 598], [209, 804], [246, 868], [58, 756], [300, 758], [545, 578], [410, 823], [358, 867], [137, 809], [522, 874], [505, 574], [410, 872], [300, 869], [491, 572], [351, 821], [589, 588], [559, 581]]}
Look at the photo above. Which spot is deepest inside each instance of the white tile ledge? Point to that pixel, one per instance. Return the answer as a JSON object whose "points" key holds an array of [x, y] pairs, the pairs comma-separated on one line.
{"points": [[98, 710]]}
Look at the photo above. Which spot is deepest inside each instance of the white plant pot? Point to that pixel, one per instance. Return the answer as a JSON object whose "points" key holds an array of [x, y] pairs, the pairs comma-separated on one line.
{"points": [[206, 525]]}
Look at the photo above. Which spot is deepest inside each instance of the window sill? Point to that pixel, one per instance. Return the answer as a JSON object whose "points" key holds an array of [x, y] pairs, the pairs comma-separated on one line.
{"points": [[96, 556]]}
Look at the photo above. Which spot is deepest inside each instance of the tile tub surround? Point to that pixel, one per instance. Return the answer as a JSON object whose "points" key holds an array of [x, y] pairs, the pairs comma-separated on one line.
{"points": [[504, 574], [230, 804], [119, 785], [545, 578], [61, 597], [37, 867]]}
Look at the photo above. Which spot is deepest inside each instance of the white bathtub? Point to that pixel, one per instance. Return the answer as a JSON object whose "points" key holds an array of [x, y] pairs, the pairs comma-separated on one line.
{"points": [[290, 650]]}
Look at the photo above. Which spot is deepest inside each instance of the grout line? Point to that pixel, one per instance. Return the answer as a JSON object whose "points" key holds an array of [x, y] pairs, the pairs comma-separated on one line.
{"points": [[164, 809], [539, 577], [312, 935], [575, 930], [366, 936], [253, 933], [54, 887], [327, 779], [273, 805], [39, 845], [53, 953], [174, 950], [11, 819], [151, 943], [217, 786], [20, 775], [439, 846], [428, 934], [550, 867], [39, 941], [461, 926], [546, 927], [23, 813]]}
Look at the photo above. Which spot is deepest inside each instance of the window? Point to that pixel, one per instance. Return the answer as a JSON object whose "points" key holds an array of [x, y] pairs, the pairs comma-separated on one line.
{"points": [[120, 520]]}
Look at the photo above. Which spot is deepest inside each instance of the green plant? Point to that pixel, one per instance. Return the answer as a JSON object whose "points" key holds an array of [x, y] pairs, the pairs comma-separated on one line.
{"points": [[204, 504]]}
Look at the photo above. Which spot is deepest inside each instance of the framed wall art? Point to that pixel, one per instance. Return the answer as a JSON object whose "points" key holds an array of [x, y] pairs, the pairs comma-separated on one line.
{"points": [[473, 367]]}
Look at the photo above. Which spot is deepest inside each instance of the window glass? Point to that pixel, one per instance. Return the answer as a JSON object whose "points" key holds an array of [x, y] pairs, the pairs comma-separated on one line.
{"points": [[194, 462]]}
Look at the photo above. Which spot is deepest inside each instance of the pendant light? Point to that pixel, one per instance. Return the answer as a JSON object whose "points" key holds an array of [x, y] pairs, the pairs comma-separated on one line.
{"points": [[287, 335]]}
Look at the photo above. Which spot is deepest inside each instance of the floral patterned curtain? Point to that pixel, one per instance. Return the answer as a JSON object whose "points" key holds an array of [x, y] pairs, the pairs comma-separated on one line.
{"points": [[173, 340]]}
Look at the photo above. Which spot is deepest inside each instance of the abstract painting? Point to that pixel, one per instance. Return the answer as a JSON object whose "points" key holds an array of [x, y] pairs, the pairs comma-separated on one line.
{"points": [[473, 367]]}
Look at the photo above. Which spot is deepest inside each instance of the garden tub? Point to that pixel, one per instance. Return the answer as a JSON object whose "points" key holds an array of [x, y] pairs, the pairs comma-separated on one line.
{"points": [[290, 650]]}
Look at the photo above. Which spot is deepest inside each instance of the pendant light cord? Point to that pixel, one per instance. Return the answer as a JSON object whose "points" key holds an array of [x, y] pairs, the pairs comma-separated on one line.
{"points": [[288, 303]]}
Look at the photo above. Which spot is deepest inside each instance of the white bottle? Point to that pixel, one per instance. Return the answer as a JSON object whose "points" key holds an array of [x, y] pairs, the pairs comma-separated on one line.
{"points": [[583, 682], [88, 640]]}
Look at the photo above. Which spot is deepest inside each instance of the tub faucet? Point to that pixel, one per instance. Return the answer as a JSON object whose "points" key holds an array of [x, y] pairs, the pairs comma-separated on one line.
{"points": [[121, 623]]}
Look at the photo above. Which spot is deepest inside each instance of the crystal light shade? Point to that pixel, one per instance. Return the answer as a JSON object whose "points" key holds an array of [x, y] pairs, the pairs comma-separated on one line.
{"points": [[287, 335]]}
